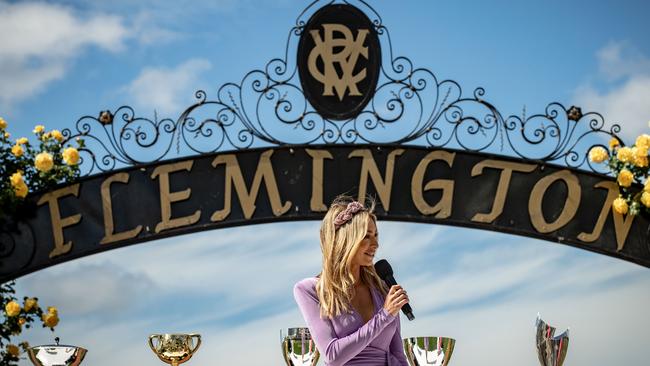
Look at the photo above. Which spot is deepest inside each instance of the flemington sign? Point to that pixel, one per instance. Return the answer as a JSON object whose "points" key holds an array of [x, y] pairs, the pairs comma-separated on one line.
{"points": [[338, 114]]}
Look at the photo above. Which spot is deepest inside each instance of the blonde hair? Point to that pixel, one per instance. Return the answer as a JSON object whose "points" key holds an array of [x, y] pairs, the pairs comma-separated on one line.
{"points": [[335, 285]]}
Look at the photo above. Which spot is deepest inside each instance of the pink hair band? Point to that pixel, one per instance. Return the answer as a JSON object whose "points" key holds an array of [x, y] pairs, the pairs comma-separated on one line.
{"points": [[346, 215]]}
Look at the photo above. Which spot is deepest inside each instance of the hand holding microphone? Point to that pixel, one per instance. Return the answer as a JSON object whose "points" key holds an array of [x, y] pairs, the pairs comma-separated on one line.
{"points": [[396, 297]]}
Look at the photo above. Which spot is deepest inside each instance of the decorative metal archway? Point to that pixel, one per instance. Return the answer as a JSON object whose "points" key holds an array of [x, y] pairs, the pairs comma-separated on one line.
{"points": [[256, 133]]}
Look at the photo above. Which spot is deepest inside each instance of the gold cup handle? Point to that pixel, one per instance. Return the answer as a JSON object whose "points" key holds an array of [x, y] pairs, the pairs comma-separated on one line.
{"points": [[151, 338], [198, 341]]}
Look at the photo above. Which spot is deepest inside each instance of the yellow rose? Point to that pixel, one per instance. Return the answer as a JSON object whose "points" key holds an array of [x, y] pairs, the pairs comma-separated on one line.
{"points": [[50, 320], [13, 350], [3, 123], [39, 129], [21, 190], [7, 135], [21, 321], [598, 154], [71, 156], [16, 178], [52, 310], [22, 141], [643, 141], [646, 187], [613, 143], [57, 135], [12, 308], [640, 158], [17, 150], [45, 136], [625, 155], [44, 162], [620, 206], [625, 178], [641, 162], [645, 199], [31, 304]]}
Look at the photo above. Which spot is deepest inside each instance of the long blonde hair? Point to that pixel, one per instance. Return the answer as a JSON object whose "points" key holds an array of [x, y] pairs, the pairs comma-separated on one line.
{"points": [[335, 285]]}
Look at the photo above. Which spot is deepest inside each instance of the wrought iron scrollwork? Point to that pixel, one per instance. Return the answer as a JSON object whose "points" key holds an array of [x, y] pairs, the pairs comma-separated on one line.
{"points": [[410, 106]]}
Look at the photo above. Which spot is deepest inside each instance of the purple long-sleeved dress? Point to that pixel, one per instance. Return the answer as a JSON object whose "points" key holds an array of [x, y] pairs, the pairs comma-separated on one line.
{"points": [[345, 339]]}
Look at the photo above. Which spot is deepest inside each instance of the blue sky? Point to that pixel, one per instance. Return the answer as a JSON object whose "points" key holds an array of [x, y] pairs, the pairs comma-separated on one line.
{"points": [[63, 60]]}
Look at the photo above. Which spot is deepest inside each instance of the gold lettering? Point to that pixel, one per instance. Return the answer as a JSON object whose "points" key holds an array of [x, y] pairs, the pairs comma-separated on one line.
{"points": [[442, 209], [502, 189], [570, 205], [247, 199], [167, 197], [347, 58], [621, 226], [58, 223], [316, 203], [369, 168], [107, 206]]}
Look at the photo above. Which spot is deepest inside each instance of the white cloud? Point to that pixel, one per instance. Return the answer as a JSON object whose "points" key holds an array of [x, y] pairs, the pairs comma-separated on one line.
{"points": [[167, 90], [41, 40], [97, 286], [626, 73]]}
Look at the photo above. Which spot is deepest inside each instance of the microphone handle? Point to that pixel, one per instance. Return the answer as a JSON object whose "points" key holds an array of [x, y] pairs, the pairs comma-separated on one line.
{"points": [[406, 309]]}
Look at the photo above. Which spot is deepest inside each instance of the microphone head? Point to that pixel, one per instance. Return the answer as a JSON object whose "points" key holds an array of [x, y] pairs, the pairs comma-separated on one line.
{"points": [[383, 269]]}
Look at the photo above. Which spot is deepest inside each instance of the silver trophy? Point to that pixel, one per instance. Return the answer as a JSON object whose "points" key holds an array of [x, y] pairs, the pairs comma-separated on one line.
{"points": [[298, 349], [433, 351], [56, 355], [551, 349]]}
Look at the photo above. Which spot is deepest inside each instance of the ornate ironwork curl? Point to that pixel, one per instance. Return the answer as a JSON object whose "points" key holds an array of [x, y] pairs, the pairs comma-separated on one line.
{"points": [[410, 105]]}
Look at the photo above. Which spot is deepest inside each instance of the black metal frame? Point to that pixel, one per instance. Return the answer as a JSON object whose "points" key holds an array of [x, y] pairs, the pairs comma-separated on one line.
{"points": [[268, 108]]}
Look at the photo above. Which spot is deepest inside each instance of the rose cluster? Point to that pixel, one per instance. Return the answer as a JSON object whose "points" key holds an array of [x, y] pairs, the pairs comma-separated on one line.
{"points": [[31, 167], [16, 317], [630, 165]]}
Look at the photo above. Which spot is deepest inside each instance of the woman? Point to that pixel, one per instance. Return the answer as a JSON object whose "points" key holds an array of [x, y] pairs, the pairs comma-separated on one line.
{"points": [[351, 316]]}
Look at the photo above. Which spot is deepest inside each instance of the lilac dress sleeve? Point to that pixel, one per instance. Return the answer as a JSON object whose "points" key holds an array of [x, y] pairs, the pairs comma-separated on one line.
{"points": [[397, 347], [336, 351]]}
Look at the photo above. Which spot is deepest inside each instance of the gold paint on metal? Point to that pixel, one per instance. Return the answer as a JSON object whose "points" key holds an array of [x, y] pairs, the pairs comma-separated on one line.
{"points": [[346, 58], [247, 199], [570, 205], [167, 197], [502, 189], [58, 223], [107, 207], [621, 225], [384, 185], [316, 203], [442, 208]]}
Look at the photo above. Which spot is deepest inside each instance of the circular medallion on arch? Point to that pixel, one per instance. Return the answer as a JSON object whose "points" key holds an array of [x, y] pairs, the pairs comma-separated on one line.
{"points": [[339, 60]]}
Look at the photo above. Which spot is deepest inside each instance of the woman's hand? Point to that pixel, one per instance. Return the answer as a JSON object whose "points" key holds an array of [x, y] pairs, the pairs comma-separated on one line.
{"points": [[395, 299]]}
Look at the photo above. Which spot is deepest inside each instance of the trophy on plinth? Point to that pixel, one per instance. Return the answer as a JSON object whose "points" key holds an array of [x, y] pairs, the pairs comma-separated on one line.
{"points": [[174, 349], [56, 355], [298, 349], [551, 349], [431, 351]]}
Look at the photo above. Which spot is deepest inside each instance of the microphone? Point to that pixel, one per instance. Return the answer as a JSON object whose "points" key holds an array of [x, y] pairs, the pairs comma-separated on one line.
{"points": [[385, 272]]}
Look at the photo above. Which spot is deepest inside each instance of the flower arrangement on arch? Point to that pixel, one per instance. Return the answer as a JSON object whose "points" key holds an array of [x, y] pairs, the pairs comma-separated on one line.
{"points": [[629, 164], [33, 166]]}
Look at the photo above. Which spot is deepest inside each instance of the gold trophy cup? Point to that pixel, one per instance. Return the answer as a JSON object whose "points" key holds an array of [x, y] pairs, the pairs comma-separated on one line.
{"points": [[174, 349]]}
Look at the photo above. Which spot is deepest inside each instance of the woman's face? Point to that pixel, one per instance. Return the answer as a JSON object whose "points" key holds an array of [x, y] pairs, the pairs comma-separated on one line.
{"points": [[366, 252]]}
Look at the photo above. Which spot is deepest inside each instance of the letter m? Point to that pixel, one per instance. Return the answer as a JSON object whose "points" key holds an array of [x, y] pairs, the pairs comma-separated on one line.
{"points": [[247, 198]]}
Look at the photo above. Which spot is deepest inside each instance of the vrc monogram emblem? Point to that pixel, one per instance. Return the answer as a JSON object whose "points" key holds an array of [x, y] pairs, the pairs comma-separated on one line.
{"points": [[343, 51], [339, 61]]}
